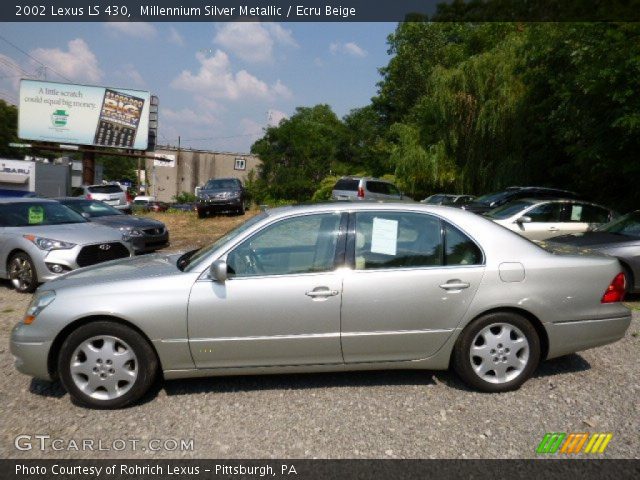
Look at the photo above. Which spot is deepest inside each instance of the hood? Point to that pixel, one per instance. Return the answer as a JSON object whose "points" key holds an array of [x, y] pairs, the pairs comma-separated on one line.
{"points": [[78, 233], [124, 269], [594, 239], [127, 221]]}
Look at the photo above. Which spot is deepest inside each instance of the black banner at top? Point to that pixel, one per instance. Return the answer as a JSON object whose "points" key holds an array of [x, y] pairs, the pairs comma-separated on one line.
{"points": [[319, 10]]}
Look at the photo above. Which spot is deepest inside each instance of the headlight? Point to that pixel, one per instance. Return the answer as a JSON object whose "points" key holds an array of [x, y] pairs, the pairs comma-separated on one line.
{"points": [[48, 243], [38, 303], [131, 232], [234, 194]]}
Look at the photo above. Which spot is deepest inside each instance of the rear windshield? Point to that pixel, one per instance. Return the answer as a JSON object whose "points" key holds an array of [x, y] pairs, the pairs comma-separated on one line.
{"points": [[34, 214], [347, 184], [105, 189]]}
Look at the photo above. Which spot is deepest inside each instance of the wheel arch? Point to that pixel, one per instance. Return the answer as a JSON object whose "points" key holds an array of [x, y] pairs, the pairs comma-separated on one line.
{"points": [[52, 358], [533, 319], [627, 269]]}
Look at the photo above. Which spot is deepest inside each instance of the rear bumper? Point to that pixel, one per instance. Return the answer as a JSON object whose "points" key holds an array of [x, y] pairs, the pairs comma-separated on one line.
{"points": [[570, 337]]}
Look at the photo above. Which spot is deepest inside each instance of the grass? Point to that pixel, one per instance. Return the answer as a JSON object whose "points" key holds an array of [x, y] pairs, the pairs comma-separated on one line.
{"points": [[187, 231]]}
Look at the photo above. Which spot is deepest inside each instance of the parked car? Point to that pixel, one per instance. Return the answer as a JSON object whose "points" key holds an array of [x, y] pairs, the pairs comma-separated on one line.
{"points": [[488, 202], [543, 219], [111, 194], [365, 188], [221, 195], [448, 199], [149, 204], [619, 238], [42, 239], [147, 235], [296, 289]]}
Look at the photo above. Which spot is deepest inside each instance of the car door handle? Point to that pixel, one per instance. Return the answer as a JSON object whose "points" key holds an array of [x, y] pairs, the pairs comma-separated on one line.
{"points": [[455, 285], [321, 292], [553, 229]]}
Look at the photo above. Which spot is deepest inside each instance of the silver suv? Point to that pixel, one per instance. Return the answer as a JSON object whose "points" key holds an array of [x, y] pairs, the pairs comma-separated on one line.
{"points": [[111, 194], [365, 188]]}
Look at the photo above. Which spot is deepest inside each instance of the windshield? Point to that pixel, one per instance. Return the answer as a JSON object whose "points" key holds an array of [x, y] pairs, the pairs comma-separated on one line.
{"points": [[35, 214], [190, 260], [507, 210], [222, 184], [628, 224], [105, 189], [491, 198], [93, 208]]}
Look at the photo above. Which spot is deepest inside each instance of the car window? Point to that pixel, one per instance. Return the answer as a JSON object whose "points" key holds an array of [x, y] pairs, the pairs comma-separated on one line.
{"points": [[347, 184], [396, 240], [377, 187], [392, 190], [508, 210], [585, 213], [93, 208], [296, 245], [628, 224], [105, 189], [434, 199], [547, 212], [459, 248], [221, 184], [34, 214]]}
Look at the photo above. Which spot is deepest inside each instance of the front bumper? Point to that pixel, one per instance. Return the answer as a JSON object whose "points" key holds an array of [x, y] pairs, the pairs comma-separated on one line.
{"points": [[211, 206], [150, 243], [31, 354], [571, 337]]}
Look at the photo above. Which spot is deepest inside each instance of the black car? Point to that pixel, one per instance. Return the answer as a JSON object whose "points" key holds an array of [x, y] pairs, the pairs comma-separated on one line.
{"points": [[493, 200], [147, 235], [221, 195]]}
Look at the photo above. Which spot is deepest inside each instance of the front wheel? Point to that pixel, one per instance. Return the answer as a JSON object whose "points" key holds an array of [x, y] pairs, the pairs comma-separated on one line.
{"points": [[105, 364], [22, 273], [497, 352]]}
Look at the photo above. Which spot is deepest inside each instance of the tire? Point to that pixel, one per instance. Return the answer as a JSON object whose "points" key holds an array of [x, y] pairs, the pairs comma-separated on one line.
{"points": [[201, 214], [241, 209], [628, 280], [22, 273], [106, 365], [507, 362]]}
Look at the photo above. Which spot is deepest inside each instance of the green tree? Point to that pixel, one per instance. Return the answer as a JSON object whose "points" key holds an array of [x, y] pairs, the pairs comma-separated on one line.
{"points": [[8, 130]]}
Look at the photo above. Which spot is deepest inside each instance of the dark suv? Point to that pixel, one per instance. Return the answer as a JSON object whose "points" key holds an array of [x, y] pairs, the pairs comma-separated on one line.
{"points": [[221, 195], [488, 202]]}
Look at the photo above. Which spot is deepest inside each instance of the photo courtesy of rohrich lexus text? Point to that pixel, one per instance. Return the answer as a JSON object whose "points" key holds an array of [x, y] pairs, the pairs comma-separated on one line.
{"points": [[315, 239]]}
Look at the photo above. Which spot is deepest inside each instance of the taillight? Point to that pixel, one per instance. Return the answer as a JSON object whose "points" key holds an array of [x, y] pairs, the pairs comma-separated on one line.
{"points": [[89, 197], [616, 289], [360, 192]]}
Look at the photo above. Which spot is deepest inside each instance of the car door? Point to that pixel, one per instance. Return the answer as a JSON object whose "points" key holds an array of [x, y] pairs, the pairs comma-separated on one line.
{"points": [[412, 281], [582, 217], [281, 302], [546, 221]]}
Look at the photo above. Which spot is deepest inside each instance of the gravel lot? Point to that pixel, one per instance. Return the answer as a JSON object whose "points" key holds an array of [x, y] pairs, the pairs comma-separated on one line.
{"points": [[402, 414]]}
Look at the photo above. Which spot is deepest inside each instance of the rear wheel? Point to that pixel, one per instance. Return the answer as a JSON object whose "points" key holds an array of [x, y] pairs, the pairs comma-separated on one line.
{"points": [[497, 352], [22, 273], [628, 280], [105, 364]]}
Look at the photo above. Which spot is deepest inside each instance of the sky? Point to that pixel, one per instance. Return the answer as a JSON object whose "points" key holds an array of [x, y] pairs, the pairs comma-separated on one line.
{"points": [[220, 84]]}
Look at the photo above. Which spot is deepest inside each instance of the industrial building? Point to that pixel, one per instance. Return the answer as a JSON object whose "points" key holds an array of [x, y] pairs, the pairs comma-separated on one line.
{"points": [[178, 170]]}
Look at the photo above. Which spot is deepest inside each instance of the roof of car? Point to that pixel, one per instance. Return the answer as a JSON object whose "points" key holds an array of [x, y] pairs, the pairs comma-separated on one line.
{"points": [[25, 200]]}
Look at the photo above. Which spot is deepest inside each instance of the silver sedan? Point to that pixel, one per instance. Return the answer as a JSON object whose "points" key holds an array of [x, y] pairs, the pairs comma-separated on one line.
{"points": [[324, 288]]}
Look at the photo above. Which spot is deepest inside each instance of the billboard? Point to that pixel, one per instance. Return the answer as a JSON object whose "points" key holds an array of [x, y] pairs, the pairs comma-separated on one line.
{"points": [[83, 115]]}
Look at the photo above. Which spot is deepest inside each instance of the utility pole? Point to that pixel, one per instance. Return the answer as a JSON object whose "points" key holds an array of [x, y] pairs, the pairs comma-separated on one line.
{"points": [[88, 168]]}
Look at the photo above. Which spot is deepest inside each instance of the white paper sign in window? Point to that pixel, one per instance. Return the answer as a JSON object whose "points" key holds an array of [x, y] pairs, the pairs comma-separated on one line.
{"points": [[384, 236], [576, 213]]}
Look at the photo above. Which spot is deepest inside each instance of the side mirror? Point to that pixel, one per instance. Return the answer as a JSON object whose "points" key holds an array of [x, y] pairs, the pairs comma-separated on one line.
{"points": [[523, 219], [218, 271], [86, 215]]}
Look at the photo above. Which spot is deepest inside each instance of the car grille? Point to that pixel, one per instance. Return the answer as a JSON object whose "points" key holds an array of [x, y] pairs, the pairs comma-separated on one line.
{"points": [[103, 252], [154, 231]]}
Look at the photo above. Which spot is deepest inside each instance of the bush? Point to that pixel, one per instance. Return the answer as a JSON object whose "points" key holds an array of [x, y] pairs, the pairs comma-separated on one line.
{"points": [[323, 193], [184, 197]]}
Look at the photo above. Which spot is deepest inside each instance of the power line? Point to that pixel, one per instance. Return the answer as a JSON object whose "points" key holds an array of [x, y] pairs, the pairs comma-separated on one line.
{"points": [[220, 138], [35, 59]]}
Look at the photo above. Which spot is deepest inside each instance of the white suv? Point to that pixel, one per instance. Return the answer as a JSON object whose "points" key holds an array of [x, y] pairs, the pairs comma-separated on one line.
{"points": [[111, 194], [365, 188]]}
